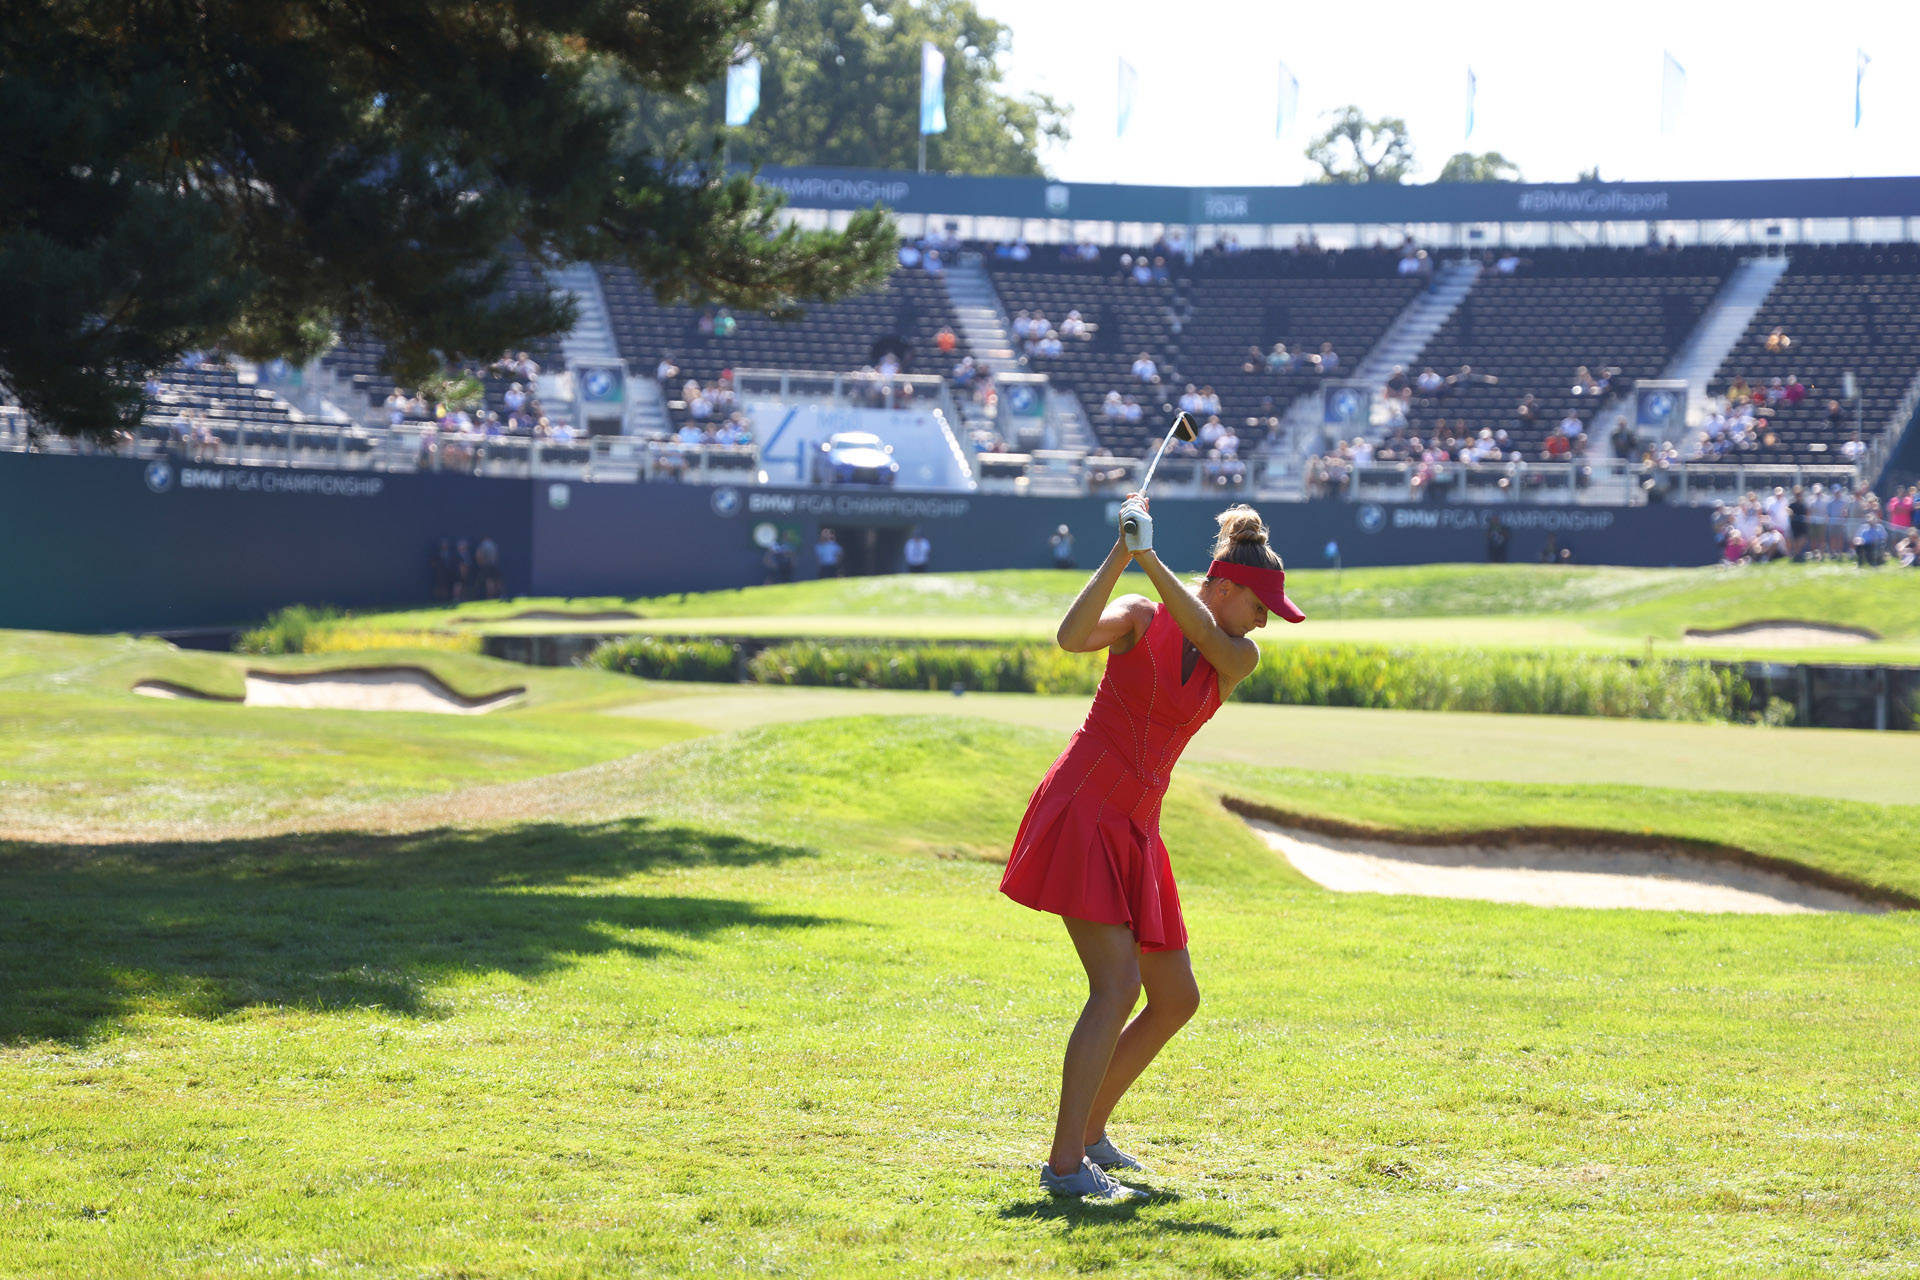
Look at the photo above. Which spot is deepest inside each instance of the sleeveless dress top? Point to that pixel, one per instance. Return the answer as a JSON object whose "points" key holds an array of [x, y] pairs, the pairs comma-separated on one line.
{"points": [[1089, 846]]}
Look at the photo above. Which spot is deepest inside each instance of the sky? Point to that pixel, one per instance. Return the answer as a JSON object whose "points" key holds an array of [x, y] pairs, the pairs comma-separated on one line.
{"points": [[1769, 88]]}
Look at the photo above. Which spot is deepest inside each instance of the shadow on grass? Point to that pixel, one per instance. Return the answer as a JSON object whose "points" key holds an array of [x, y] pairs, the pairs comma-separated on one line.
{"points": [[338, 920], [1072, 1210]]}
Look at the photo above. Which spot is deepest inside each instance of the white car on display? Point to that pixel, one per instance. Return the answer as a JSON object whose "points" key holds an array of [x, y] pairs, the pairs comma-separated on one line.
{"points": [[855, 457]]}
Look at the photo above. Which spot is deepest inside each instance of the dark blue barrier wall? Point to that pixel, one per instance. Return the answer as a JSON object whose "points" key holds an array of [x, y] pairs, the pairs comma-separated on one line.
{"points": [[108, 543], [95, 544]]}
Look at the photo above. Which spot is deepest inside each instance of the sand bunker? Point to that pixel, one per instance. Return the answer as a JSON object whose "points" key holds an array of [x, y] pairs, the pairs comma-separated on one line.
{"points": [[348, 689], [168, 689], [552, 615], [1552, 875], [1783, 634]]}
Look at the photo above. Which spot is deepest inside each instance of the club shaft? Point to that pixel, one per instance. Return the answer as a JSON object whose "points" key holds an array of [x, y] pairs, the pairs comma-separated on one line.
{"points": [[1159, 453]]}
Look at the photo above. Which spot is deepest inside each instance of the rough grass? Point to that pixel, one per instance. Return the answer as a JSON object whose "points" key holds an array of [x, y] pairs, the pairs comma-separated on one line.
{"points": [[751, 1004]]}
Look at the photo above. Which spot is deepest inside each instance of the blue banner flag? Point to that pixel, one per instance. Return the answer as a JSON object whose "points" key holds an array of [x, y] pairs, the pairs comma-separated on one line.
{"points": [[1129, 86], [1473, 88], [1860, 62], [743, 92], [933, 90]]}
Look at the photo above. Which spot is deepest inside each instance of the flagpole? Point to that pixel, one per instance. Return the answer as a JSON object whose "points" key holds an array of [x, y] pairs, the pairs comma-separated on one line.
{"points": [[923, 153]]}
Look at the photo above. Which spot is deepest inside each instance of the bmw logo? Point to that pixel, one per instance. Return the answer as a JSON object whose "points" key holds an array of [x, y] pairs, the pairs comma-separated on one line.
{"points": [[1660, 406], [596, 384], [159, 476], [726, 501], [1020, 399], [1372, 518], [1346, 406]]}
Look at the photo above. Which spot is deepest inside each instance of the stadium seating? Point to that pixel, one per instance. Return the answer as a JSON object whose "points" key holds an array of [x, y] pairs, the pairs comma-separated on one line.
{"points": [[236, 415], [1842, 307], [1561, 309], [1200, 326], [902, 316]]}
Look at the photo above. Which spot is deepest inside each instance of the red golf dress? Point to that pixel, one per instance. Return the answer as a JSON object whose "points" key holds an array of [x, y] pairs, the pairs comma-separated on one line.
{"points": [[1090, 844]]}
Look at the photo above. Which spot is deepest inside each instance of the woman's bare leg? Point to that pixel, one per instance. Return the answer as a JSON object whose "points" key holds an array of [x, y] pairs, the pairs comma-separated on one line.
{"points": [[1111, 958], [1172, 998]]}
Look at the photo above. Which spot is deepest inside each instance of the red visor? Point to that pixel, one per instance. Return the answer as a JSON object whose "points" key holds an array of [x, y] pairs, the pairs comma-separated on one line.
{"points": [[1270, 585]]}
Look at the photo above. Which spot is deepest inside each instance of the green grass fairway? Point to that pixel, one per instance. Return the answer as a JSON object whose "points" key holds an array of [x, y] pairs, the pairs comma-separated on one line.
{"points": [[82, 756], [1471, 748], [638, 980], [1513, 606]]}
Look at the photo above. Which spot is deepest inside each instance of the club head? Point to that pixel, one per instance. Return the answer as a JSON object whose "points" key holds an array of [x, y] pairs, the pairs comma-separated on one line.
{"points": [[1184, 427]]}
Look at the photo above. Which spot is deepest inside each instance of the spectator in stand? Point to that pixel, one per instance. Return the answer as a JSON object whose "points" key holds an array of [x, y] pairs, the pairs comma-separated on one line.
{"points": [[1280, 360], [442, 567], [1900, 509], [1778, 340], [829, 554], [910, 256], [1429, 383], [1074, 326], [1770, 544], [1142, 270], [1145, 369], [463, 577], [1907, 551], [1113, 409], [917, 552], [778, 562], [1061, 545], [946, 341], [1329, 358], [1854, 448], [1870, 544], [933, 264], [1624, 439], [1210, 432], [1799, 538]]}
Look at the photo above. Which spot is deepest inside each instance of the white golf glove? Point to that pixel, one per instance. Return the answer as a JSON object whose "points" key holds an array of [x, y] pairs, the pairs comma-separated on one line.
{"points": [[1141, 537]]}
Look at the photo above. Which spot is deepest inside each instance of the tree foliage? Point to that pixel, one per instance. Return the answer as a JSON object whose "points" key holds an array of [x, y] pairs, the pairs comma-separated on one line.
{"points": [[839, 85], [260, 173], [1484, 166], [1354, 149]]}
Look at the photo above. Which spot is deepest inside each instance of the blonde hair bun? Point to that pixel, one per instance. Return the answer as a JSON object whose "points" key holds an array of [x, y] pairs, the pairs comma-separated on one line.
{"points": [[1238, 524]]}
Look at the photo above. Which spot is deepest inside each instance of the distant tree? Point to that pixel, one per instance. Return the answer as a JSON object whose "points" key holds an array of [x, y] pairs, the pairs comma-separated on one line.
{"points": [[840, 85], [1590, 175], [1487, 166], [258, 174], [1355, 149]]}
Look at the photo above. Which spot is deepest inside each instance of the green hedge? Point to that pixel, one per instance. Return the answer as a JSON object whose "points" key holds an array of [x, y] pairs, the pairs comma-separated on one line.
{"points": [[1004, 668], [1319, 675], [652, 659], [287, 631], [1554, 684]]}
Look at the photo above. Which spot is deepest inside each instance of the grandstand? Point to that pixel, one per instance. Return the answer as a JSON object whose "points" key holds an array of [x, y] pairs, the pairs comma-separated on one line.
{"points": [[1557, 312], [1840, 309], [1625, 300]]}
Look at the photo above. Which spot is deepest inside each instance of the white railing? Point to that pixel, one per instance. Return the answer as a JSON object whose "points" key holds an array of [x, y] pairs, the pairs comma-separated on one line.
{"points": [[411, 447]]}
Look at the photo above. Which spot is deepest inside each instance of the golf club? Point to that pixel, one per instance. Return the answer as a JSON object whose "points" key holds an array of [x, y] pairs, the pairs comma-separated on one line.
{"points": [[1184, 429]]}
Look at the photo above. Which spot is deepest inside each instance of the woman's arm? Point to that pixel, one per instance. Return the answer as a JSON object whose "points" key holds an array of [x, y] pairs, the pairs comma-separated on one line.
{"points": [[1234, 657], [1092, 624]]}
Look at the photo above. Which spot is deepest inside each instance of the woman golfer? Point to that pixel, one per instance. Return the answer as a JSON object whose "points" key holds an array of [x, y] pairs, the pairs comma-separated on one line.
{"points": [[1089, 848]]}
